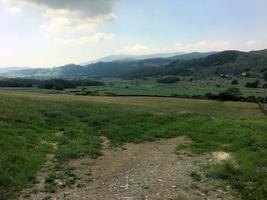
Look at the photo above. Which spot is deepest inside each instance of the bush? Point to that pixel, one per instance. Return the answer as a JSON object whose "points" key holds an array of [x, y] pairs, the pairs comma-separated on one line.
{"points": [[254, 84], [234, 82], [265, 76], [168, 80], [230, 94]]}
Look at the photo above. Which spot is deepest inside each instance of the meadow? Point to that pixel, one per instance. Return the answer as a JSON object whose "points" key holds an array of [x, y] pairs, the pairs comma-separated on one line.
{"points": [[32, 122], [185, 87]]}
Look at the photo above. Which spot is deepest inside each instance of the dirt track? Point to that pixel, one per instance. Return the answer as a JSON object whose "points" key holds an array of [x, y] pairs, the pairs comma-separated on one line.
{"points": [[142, 171]]}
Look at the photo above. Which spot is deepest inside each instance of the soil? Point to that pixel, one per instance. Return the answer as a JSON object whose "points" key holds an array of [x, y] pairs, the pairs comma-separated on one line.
{"points": [[152, 171]]}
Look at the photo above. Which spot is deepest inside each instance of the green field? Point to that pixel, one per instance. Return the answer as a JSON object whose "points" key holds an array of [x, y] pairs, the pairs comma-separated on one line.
{"points": [[150, 87], [30, 123], [184, 87]]}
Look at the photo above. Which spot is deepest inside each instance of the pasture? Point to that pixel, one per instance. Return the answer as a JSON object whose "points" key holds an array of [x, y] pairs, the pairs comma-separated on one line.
{"points": [[185, 87], [32, 123]]}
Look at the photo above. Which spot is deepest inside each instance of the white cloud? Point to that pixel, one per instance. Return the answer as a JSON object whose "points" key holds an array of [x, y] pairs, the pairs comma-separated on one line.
{"points": [[89, 8], [67, 15], [12, 4], [204, 46], [66, 21], [138, 49], [61, 20], [254, 43], [96, 38], [12, 10], [9, 7]]}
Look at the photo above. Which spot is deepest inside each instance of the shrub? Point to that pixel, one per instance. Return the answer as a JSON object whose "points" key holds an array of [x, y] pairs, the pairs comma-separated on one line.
{"points": [[254, 84], [234, 82], [265, 76], [168, 80], [230, 94]]}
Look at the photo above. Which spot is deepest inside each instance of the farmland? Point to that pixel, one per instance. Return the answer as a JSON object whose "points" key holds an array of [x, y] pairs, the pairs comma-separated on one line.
{"points": [[133, 100], [33, 123], [185, 87]]}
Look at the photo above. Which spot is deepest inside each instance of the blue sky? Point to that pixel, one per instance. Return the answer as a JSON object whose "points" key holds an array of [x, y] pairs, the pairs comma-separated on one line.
{"points": [[45, 33]]}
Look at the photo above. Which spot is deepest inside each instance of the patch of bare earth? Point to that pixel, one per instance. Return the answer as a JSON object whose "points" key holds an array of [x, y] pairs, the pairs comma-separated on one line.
{"points": [[221, 156], [143, 171]]}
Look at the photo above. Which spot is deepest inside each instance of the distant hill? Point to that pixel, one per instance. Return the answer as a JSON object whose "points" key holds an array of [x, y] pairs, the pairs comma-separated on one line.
{"points": [[125, 57], [226, 62], [11, 69], [116, 68], [193, 64], [193, 55]]}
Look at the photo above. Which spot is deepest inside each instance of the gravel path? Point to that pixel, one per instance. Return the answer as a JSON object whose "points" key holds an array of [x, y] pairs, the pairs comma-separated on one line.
{"points": [[142, 171]]}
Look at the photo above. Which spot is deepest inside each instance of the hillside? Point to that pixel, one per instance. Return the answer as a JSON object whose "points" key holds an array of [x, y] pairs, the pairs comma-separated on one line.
{"points": [[226, 62], [193, 64], [126, 57], [116, 68]]}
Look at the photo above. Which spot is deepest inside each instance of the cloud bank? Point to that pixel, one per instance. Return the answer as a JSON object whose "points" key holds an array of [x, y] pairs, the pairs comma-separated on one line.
{"points": [[204, 45], [68, 15], [93, 39], [89, 8]]}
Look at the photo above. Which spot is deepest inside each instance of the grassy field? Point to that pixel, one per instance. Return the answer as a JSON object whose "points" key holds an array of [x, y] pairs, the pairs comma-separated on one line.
{"points": [[30, 124], [150, 87], [213, 85]]}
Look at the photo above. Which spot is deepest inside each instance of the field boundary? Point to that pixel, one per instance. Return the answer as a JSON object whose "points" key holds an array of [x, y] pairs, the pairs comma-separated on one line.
{"points": [[263, 108], [196, 97]]}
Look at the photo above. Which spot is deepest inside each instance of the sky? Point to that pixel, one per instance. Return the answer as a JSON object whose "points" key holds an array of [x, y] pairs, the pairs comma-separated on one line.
{"points": [[47, 33]]}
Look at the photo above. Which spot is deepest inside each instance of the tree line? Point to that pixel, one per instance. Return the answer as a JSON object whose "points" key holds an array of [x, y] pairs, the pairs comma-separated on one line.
{"points": [[57, 83]]}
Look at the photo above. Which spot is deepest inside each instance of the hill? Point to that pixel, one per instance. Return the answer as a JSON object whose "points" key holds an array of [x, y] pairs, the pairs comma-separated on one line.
{"points": [[226, 62], [231, 63], [116, 68], [126, 57]]}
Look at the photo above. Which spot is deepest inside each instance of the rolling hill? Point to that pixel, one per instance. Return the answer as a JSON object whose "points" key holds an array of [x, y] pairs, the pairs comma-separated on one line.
{"points": [[116, 68], [208, 64], [226, 62]]}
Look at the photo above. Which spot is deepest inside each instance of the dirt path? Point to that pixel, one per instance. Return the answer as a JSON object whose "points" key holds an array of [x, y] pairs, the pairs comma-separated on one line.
{"points": [[143, 171]]}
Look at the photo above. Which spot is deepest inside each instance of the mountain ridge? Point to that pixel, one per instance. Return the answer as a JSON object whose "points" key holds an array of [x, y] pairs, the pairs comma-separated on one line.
{"points": [[230, 62], [114, 68]]}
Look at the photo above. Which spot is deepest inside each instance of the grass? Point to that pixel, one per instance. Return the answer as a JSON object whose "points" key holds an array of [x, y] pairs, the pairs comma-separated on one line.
{"points": [[199, 86], [195, 176], [150, 87], [29, 123]]}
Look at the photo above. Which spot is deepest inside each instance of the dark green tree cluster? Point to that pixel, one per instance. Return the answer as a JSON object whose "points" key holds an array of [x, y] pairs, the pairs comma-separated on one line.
{"points": [[254, 84], [168, 80], [57, 84]]}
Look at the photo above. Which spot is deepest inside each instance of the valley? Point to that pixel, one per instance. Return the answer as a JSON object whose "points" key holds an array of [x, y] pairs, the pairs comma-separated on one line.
{"points": [[133, 100]]}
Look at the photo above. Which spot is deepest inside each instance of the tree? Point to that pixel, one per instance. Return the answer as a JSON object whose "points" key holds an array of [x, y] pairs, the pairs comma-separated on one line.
{"points": [[254, 84], [168, 80], [230, 94], [234, 82], [265, 76]]}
